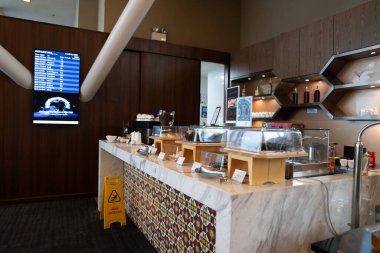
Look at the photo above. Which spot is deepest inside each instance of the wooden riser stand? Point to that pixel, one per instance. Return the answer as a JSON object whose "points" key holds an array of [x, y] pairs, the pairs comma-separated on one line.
{"points": [[167, 145], [192, 150], [261, 167]]}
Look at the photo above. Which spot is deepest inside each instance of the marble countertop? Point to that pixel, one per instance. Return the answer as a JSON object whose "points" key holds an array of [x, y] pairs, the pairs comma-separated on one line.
{"points": [[230, 187]]}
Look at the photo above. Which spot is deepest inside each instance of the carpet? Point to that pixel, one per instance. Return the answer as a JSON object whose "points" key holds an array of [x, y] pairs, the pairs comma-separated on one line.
{"points": [[70, 225]]}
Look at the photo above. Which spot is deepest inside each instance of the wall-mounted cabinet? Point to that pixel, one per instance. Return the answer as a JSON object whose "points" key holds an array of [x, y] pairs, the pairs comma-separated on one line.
{"points": [[261, 56], [286, 54], [239, 65], [357, 27], [254, 59], [260, 86], [297, 53], [355, 77], [316, 46]]}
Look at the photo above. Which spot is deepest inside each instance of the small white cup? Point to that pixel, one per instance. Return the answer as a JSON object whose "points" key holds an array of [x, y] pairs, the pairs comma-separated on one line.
{"points": [[343, 162], [350, 164], [138, 137]]}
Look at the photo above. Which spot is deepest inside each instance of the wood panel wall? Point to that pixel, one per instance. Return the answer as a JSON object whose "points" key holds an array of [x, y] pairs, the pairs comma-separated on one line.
{"points": [[157, 90], [41, 161]]}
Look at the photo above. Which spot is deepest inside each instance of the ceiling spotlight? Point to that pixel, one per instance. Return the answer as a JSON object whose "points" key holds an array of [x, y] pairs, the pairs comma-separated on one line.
{"points": [[373, 52], [372, 86], [249, 78], [307, 80], [28, 1], [263, 76]]}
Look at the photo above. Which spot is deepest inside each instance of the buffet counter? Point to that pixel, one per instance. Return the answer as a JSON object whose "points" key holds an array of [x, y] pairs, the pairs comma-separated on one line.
{"points": [[183, 211]]}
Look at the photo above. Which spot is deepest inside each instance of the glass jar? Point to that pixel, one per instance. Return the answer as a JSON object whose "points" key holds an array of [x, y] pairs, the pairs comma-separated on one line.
{"points": [[332, 149]]}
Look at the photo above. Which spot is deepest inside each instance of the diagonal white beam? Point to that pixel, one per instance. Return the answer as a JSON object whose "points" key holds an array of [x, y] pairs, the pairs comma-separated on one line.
{"points": [[118, 39], [14, 69]]}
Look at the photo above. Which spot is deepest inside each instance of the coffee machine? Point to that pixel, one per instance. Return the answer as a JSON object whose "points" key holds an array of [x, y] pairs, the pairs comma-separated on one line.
{"points": [[145, 128]]}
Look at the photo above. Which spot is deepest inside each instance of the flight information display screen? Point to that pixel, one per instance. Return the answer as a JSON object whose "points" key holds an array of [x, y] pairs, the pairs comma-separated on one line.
{"points": [[56, 87]]}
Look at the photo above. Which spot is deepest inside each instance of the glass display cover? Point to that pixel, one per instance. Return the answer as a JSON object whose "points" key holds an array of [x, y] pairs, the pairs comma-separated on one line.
{"points": [[264, 139], [166, 132]]}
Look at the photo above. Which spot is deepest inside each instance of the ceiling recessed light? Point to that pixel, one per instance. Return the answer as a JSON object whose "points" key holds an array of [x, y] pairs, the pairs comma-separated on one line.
{"points": [[249, 78], [373, 52], [372, 86], [307, 80], [263, 76], [28, 1]]}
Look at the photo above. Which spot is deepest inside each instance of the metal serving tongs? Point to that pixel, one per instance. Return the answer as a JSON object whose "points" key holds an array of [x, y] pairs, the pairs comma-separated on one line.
{"points": [[205, 171]]}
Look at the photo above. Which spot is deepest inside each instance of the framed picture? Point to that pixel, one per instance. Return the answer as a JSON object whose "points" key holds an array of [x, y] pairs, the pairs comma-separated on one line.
{"points": [[203, 111], [244, 111], [231, 97]]}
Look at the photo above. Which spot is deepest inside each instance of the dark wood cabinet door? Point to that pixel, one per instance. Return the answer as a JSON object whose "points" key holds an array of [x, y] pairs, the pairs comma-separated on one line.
{"points": [[261, 56], [170, 83], [286, 54], [239, 63], [316, 46], [357, 27]]}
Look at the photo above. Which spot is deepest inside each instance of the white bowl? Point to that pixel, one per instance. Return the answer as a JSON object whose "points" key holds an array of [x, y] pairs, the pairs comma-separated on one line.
{"points": [[343, 162], [350, 164], [111, 138]]}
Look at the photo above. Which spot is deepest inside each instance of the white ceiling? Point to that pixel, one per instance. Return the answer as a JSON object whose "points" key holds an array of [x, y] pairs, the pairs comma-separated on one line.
{"points": [[60, 12]]}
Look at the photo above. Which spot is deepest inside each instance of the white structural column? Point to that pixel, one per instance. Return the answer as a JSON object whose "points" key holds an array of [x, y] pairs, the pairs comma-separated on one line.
{"points": [[118, 39], [14, 69]]}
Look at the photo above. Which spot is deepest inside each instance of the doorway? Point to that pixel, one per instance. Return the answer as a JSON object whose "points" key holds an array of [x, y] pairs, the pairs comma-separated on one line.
{"points": [[212, 93]]}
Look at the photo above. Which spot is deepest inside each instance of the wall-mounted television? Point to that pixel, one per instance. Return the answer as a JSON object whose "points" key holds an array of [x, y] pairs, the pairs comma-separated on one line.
{"points": [[56, 87]]}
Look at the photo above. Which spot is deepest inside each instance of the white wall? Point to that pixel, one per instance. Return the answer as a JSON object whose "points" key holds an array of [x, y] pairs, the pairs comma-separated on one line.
{"points": [[215, 95], [264, 19], [203, 121], [101, 13]]}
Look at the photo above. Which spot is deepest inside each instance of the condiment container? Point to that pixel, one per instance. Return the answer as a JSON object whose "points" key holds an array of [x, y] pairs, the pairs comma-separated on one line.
{"points": [[371, 162]]}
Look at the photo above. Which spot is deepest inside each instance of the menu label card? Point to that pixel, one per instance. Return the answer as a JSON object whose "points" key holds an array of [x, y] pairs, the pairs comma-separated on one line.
{"points": [[153, 151], [196, 166], [161, 156], [239, 175], [180, 160]]}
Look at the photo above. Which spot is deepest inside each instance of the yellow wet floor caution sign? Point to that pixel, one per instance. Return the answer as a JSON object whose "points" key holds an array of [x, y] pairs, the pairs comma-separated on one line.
{"points": [[113, 202]]}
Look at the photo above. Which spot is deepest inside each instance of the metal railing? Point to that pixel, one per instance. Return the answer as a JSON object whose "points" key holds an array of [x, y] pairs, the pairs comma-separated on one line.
{"points": [[358, 163]]}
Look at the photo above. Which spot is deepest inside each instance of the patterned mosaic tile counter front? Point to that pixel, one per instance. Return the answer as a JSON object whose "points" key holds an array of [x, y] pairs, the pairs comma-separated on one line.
{"points": [[172, 221], [179, 211]]}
